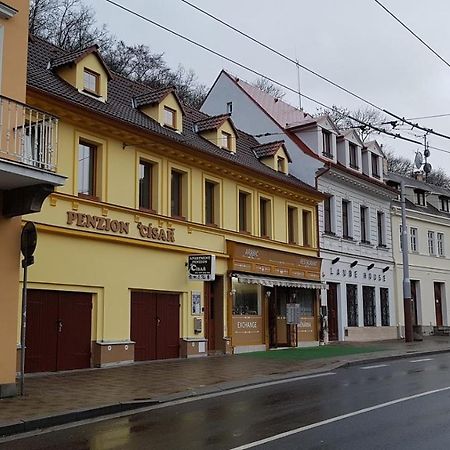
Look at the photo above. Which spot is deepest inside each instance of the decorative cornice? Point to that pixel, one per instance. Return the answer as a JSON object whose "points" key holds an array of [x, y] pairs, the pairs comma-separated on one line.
{"points": [[6, 11]]}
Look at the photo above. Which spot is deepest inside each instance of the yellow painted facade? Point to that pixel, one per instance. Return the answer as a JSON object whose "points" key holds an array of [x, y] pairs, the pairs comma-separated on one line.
{"points": [[110, 248]]}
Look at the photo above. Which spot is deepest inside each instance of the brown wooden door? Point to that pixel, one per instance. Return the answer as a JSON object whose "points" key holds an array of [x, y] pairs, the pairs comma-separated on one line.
{"points": [[155, 325], [167, 326], [143, 325], [332, 306], [214, 314], [58, 335], [438, 303], [41, 339], [74, 331]]}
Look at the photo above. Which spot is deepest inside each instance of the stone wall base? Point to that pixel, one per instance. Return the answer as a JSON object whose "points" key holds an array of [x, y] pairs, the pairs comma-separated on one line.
{"points": [[366, 334], [193, 347], [106, 354], [8, 390]]}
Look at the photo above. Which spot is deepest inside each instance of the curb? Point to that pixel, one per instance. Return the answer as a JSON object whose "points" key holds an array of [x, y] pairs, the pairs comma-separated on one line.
{"points": [[24, 426]]}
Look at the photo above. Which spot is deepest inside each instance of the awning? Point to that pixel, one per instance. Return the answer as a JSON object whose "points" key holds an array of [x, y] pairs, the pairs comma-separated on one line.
{"points": [[271, 282]]}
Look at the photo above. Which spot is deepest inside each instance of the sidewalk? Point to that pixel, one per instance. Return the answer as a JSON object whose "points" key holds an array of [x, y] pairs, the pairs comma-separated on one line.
{"points": [[65, 397]]}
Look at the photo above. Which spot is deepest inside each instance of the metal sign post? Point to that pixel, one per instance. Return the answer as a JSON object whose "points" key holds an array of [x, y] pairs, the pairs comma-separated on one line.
{"points": [[28, 243]]}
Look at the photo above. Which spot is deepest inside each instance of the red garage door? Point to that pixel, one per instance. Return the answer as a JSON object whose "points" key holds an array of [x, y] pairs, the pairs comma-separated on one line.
{"points": [[58, 331], [155, 325]]}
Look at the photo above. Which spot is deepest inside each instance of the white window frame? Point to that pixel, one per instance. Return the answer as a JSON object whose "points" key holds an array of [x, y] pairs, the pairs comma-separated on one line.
{"points": [[431, 243], [440, 244], [413, 235]]}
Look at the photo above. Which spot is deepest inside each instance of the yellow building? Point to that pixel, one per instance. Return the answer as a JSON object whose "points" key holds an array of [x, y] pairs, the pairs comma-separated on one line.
{"points": [[27, 166], [151, 182]]}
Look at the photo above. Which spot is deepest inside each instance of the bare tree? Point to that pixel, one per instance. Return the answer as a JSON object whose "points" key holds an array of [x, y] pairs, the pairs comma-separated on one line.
{"points": [[269, 88], [72, 25], [399, 164]]}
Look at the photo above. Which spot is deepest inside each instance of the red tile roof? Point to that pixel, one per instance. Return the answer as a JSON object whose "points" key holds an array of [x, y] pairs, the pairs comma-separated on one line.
{"points": [[269, 149]]}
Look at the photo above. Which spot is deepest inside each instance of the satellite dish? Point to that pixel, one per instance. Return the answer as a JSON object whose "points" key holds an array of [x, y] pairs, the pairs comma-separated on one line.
{"points": [[427, 168], [418, 160]]}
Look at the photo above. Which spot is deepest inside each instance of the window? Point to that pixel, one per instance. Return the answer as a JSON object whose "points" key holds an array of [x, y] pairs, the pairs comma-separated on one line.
{"points": [[431, 242], [145, 185], [420, 197], [413, 239], [444, 204], [307, 228], [326, 144], [292, 225], [176, 194], [364, 225], [352, 305], [281, 164], [245, 299], [210, 203], [346, 219], [225, 140], [369, 306], [327, 215], [380, 229], [440, 243], [87, 162], [170, 117], [375, 166], [384, 303], [264, 218], [91, 82], [244, 216], [229, 107], [353, 149]]}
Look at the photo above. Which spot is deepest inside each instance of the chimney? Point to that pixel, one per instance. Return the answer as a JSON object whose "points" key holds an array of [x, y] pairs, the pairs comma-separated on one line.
{"points": [[418, 176]]}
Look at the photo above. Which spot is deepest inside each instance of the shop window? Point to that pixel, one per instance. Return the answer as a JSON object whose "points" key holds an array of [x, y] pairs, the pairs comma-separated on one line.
{"points": [[170, 117], [265, 215], [87, 167], [246, 299], [306, 299], [244, 212], [211, 203], [146, 185], [292, 219], [369, 306], [384, 300], [91, 82], [352, 305], [307, 228], [178, 193]]}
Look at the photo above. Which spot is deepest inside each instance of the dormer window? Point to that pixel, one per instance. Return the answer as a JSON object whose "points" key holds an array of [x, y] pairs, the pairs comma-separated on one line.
{"points": [[280, 164], [353, 153], [444, 204], [375, 166], [170, 117], [225, 140], [326, 144], [91, 82], [420, 197]]}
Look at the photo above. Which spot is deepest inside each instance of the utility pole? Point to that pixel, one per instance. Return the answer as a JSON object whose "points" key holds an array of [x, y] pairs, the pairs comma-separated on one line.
{"points": [[407, 306]]}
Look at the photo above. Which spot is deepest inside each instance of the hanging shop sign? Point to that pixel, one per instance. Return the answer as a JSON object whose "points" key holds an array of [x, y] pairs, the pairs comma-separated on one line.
{"points": [[202, 267]]}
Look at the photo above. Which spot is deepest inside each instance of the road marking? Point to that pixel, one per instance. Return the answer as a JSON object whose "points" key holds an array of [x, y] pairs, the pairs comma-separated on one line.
{"points": [[421, 360], [162, 405], [337, 418], [373, 367]]}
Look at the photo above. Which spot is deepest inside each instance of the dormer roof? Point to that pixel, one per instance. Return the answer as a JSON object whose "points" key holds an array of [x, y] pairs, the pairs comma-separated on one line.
{"points": [[214, 123], [153, 97], [270, 149], [76, 56], [374, 146], [353, 136]]}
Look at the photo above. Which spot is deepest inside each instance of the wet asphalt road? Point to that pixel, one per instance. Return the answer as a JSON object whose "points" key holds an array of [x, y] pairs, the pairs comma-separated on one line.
{"points": [[246, 417]]}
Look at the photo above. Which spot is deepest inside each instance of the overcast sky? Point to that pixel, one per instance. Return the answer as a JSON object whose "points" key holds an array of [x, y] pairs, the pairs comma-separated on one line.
{"points": [[353, 42]]}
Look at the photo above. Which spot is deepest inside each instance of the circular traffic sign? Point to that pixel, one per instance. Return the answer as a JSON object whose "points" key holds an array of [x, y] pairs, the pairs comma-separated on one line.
{"points": [[28, 240]]}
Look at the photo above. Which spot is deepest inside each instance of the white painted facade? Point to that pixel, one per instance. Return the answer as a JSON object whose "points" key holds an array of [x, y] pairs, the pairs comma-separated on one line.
{"points": [[428, 266], [314, 143]]}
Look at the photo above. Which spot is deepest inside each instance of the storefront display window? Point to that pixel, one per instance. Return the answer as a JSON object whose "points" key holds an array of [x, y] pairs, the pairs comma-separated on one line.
{"points": [[246, 299]]}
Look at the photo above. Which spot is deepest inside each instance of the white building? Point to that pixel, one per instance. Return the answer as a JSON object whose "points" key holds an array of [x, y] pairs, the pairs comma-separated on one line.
{"points": [[428, 223], [355, 227]]}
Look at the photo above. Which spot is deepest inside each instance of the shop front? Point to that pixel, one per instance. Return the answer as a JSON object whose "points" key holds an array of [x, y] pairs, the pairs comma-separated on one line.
{"points": [[265, 286]]}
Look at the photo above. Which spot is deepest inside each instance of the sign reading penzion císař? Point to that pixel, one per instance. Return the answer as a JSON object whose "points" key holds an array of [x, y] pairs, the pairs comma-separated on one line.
{"points": [[202, 267]]}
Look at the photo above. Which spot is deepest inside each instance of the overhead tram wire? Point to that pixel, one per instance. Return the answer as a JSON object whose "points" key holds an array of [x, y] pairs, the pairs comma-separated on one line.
{"points": [[249, 69], [413, 33], [291, 60], [429, 117]]}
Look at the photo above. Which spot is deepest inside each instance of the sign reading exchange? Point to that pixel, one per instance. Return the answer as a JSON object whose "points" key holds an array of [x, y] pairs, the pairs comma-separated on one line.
{"points": [[202, 267]]}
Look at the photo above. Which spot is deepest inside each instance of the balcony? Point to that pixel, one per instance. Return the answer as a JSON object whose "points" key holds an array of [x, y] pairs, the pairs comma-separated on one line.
{"points": [[28, 149], [27, 136]]}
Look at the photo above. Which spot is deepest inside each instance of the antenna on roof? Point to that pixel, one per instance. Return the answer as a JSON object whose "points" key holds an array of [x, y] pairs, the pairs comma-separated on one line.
{"points": [[298, 83]]}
